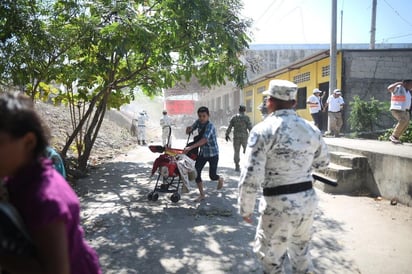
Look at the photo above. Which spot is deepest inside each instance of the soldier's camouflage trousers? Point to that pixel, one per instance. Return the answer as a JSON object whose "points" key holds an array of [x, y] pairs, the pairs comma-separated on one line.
{"points": [[285, 229], [237, 143]]}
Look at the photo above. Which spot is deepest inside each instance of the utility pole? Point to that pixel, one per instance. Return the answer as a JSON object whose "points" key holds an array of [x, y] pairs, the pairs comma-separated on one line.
{"points": [[373, 25], [333, 51], [341, 28]]}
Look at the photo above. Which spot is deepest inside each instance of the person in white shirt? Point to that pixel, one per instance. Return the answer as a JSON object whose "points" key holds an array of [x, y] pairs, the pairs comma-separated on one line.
{"points": [[400, 107], [315, 107], [141, 127], [166, 123], [335, 105]]}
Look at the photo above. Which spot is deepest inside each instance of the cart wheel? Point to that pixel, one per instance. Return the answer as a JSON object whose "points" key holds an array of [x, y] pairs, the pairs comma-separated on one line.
{"points": [[175, 197], [155, 196], [150, 196]]}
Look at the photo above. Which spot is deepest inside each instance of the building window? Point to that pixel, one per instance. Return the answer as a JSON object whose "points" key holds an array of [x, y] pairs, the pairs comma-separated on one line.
{"points": [[249, 105], [303, 77], [261, 89], [325, 71], [218, 104], [212, 104], [249, 93], [301, 98], [226, 102]]}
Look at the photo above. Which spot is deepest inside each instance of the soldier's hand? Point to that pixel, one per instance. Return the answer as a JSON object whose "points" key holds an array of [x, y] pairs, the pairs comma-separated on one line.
{"points": [[227, 138]]}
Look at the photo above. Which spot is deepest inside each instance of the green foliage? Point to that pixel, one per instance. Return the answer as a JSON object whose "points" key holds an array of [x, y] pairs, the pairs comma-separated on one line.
{"points": [[146, 44], [365, 115], [406, 136], [14, 17], [95, 53]]}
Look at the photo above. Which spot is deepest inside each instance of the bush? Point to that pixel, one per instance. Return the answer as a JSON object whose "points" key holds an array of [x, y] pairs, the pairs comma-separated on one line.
{"points": [[406, 136], [364, 115]]}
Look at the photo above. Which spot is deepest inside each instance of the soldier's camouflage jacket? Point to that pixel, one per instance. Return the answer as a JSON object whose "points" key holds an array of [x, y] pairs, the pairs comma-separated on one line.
{"points": [[282, 149], [241, 126]]}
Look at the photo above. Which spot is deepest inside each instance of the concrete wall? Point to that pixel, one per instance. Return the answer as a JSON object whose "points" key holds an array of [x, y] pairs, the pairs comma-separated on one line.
{"points": [[270, 59], [393, 176], [367, 73], [389, 176]]}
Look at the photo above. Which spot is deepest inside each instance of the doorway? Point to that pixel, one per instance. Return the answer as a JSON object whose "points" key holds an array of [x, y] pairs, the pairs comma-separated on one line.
{"points": [[324, 87]]}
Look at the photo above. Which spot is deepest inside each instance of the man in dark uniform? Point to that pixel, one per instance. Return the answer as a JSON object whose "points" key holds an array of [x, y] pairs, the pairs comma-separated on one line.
{"points": [[241, 127]]}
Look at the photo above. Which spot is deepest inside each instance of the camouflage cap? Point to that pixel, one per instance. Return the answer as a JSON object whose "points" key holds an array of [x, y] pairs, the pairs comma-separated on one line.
{"points": [[282, 89]]}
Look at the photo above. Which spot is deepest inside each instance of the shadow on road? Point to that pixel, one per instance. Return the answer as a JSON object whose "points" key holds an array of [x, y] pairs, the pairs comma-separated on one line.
{"points": [[134, 235]]}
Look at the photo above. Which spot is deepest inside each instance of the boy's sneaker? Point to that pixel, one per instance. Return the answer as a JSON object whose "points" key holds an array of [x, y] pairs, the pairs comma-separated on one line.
{"points": [[394, 140], [220, 183], [14, 239]]}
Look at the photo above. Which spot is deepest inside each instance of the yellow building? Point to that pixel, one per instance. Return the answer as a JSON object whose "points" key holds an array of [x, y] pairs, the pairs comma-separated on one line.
{"points": [[308, 74]]}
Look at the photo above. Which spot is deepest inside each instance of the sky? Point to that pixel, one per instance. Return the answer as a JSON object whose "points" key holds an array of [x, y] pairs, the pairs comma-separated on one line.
{"points": [[309, 21]]}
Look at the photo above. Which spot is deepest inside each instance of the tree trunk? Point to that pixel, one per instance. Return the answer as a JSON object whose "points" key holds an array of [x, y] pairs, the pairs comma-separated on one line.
{"points": [[81, 123], [92, 131]]}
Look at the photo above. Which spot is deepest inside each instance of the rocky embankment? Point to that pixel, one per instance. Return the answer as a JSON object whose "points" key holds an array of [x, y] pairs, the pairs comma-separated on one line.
{"points": [[112, 139]]}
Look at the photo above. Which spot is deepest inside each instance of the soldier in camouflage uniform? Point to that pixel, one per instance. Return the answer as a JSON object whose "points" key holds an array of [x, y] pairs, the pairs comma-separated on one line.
{"points": [[263, 109], [282, 151], [241, 127]]}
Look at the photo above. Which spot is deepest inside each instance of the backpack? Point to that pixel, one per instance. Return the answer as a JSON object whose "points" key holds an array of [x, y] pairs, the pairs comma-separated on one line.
{"points": [[57, 160]]}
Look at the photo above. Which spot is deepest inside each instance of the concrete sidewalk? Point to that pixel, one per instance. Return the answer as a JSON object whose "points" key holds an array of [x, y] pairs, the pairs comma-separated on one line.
{"points": [[384, 147], [387, 172]]}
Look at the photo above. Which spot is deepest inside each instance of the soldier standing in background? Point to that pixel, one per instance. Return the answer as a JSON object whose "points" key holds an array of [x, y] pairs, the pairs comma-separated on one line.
{"points": [[166, 123], [241, 127], [263, 109], [282, 151], [141, 128]]}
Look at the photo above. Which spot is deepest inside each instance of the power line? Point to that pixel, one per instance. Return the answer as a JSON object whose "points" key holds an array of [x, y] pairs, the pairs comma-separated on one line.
{"points": [[395, 37], [266, 11], [296, 7], [397, 13]]}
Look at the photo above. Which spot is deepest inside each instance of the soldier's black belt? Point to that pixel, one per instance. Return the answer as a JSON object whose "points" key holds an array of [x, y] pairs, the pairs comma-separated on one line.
{"points": [[287, 189]]}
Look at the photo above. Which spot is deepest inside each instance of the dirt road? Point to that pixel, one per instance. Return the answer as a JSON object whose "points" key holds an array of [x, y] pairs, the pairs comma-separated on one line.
{"points": [[134, 235]]}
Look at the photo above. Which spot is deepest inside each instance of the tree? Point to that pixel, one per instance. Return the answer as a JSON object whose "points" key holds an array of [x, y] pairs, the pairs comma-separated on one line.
{"points": [[105, 49], [33, 51]]}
